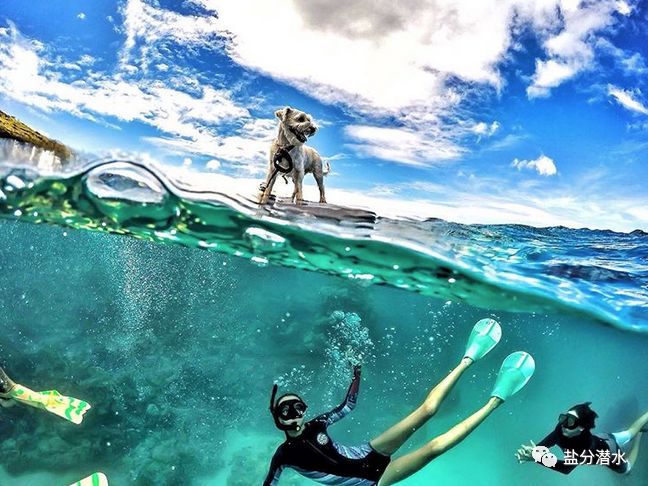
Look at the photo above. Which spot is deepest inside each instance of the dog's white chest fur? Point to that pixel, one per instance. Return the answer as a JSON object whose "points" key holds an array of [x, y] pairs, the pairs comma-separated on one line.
{"points": [[302, 162]]}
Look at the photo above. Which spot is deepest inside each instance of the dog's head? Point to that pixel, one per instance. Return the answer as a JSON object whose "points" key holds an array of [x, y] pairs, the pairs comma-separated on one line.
{"points": [[297, 125]]}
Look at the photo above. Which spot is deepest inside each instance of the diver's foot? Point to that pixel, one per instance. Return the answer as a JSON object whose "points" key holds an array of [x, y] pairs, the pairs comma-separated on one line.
{"points": [[483, 338], [6, 383], [517, 369]]}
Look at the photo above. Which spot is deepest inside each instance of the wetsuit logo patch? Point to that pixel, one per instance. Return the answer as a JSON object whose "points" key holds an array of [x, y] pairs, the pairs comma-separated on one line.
{"points": [[322, 438]]}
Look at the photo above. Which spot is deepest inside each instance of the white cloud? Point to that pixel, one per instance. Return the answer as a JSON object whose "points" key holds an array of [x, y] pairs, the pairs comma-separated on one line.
{"points": [[382, 61], [411, 73], [81, 16], [550, 74], [543, 165], [192, 118], [378, 55], [407, 146], [247, 150], [485, 129], [631, 63], [147, 25], [627, 100], [213, 164], [573, 30], [86, 60]]}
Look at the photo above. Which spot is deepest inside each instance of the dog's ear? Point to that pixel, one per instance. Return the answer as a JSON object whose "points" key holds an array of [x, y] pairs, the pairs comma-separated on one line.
{"points": [[281, 114]]}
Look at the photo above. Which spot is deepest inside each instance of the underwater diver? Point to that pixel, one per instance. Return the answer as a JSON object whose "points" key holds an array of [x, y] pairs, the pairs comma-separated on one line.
{"points": [[573, 434], [69, 408], [310, 451]]}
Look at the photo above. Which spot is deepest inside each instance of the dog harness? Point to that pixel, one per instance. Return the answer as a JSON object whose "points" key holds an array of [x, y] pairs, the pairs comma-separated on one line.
{"points": [[283, 153]]}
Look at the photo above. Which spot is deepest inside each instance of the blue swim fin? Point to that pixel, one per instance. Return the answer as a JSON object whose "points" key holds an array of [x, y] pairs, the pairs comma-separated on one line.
{"points": [[484, 336], [517, 369]]}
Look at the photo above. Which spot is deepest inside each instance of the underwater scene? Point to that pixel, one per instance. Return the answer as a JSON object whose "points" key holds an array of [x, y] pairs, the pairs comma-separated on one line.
{"points": [[175, 314], [300, 242]]}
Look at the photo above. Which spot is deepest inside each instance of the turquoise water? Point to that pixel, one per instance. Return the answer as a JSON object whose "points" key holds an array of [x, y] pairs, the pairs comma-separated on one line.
{"points": [[177, 347]]}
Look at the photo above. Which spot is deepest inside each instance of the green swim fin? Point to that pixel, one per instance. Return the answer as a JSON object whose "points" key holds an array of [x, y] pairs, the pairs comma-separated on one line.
{"points": [[484, 336], [517, 369], [96, 479]]}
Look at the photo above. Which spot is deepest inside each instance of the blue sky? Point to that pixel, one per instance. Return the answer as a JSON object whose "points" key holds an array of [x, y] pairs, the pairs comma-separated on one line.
{"points": [[531, 112]]}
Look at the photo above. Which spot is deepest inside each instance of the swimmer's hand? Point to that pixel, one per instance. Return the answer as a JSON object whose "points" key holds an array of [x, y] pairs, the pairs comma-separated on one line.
{"points": [[524, 453], [357, 369]]}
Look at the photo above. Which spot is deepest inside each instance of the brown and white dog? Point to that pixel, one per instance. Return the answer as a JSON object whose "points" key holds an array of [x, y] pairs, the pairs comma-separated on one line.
{"points": [[290, 157]]}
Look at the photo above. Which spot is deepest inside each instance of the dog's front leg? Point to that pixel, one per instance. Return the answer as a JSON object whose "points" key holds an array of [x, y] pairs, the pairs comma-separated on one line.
{"points": [[267, 189], [298, 194]]}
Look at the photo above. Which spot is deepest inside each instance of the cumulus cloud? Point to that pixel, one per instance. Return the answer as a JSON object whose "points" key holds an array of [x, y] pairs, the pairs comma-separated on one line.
{"points": [[628, 100], [191, 120], [81, 16], [543, 165], [486, 130], [148, 27], [408, 76], [384, 63], [409, 147], [213, 164], [570, 50], [630, 62], [382, 57]]}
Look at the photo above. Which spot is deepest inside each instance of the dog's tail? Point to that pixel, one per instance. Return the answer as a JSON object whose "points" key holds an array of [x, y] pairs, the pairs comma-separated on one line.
{"points": [[326, 170]]}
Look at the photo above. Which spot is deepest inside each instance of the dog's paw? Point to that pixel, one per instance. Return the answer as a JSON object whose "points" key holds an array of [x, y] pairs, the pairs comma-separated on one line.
{"points": [[322, 200]]}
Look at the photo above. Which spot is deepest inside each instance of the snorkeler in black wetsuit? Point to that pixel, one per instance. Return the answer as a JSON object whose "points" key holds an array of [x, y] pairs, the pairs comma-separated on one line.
{"points": [[574, 436], [310, 451]]}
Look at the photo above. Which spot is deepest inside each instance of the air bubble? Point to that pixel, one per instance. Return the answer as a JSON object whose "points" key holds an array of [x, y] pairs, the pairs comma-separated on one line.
{"points": [[16, 182]]}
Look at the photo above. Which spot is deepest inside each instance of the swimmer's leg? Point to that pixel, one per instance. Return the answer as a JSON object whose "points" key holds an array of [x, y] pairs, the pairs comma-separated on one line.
{"points": [[389, 441], [408, 464], [638, 424], [634, 451], [634, 433]]}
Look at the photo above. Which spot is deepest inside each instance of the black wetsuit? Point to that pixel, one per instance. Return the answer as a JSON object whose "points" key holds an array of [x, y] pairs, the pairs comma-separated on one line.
{"points": [[316, 456], [583, 443]]}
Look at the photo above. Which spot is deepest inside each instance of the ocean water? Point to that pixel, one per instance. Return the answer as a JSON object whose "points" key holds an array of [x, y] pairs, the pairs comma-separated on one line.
{"points": [[179, 306]]}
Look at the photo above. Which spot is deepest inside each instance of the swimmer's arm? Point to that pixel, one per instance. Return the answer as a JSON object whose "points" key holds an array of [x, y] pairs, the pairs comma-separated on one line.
{"points": [[563, 468], [272, 479], [549, 441], [349, 402], [560, 466]]}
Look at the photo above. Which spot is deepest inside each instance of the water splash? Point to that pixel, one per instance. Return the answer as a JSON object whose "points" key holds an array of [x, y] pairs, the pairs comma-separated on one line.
{"points": [[599, 273]]}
